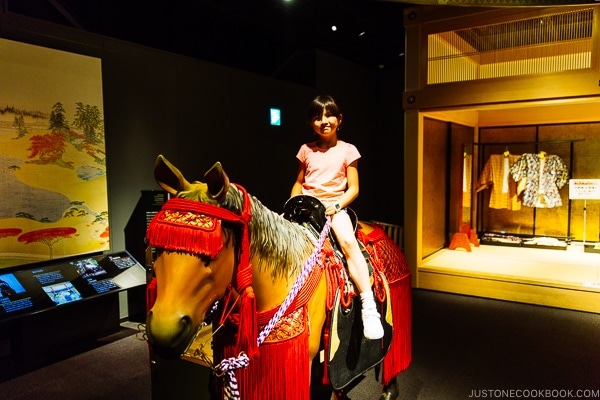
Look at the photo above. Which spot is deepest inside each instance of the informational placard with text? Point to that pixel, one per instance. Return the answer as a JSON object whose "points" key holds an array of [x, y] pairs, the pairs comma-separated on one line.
{"points": [[584, 189]]}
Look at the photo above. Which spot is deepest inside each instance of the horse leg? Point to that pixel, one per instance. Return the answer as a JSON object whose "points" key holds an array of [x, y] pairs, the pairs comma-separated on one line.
{"points": [[390, 391]]}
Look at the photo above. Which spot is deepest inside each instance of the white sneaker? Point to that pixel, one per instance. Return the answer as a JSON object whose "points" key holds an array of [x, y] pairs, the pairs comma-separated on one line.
{"points": [[372, 328]]}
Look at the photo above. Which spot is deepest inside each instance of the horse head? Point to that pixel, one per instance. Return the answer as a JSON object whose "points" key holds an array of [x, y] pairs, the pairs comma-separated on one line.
{"points": [[210, 237], [189, 280]]}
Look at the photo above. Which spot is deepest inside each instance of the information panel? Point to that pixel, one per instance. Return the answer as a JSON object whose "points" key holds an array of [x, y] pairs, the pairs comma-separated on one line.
{"points": [[584, 189], [39, 287]]}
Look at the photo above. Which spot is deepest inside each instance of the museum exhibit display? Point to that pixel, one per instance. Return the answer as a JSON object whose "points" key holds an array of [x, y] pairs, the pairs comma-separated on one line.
{"points": [[501, 118]]}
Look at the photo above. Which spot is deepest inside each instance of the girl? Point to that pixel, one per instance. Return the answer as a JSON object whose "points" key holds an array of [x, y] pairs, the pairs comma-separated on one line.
{"points": [[328, 170]]}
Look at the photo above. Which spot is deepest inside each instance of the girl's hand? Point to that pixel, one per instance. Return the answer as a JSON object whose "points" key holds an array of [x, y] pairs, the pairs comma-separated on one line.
{"points": [[330, 210]]}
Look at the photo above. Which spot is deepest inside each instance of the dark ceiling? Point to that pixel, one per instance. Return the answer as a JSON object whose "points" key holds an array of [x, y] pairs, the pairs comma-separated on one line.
{"points": [[261, 36]]}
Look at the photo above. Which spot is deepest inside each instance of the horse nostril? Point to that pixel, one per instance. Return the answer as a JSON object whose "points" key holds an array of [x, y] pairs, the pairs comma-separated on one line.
{"points": [[185, 323], [166, 341]]}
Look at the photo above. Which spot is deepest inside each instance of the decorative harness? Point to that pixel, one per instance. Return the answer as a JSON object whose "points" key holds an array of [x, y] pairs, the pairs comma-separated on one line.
{"points": [[194, 227]]}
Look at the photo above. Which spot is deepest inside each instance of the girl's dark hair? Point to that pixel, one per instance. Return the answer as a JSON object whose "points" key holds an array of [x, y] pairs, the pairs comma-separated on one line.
{"points": [[315, 108]]}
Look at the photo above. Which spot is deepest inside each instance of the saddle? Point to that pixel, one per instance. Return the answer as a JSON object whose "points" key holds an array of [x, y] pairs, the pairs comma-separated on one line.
{"points": [[348, 355], [309, 212]]}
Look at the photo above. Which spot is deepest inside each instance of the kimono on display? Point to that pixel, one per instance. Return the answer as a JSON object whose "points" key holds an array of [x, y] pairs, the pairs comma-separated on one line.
{"points": [[540, 176], [496, 176]]}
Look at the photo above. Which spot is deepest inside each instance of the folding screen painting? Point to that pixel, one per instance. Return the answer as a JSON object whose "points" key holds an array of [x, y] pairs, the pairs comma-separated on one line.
{"points": [[53, 196]]}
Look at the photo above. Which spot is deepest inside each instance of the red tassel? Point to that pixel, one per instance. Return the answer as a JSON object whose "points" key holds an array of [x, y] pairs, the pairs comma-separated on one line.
{"points": [[325, 379], [248, 330], [399, 357], [151, 293]]}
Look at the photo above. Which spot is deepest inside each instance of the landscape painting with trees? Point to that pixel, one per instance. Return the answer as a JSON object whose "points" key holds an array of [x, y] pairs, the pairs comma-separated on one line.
{"points": [[53, 193]]}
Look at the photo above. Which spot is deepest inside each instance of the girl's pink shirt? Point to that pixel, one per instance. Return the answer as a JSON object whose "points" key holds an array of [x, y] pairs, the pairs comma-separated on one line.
{"points": [[325, 169]]}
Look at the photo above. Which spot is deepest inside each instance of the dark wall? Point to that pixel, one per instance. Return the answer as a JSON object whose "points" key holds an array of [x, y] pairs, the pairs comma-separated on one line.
{"points": [[196, 113]]}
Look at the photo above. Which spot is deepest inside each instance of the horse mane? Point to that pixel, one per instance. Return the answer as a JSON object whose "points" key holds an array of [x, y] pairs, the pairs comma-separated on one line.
{"points": [[278, 244]]}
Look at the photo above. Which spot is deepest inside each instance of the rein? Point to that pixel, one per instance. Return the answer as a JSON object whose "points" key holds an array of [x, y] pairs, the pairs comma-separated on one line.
{"points": [[304, 273]]}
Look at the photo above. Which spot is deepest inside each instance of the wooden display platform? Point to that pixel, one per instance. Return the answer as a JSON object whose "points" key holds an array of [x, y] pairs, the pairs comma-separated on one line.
{"points": [[566, 279]]}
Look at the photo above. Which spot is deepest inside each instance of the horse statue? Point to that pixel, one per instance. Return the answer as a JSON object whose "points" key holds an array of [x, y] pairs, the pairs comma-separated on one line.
{"points": [[275, 295]]}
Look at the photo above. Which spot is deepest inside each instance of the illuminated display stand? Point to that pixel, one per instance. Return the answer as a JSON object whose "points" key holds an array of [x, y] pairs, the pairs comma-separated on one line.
{"points": [[53, 309]]}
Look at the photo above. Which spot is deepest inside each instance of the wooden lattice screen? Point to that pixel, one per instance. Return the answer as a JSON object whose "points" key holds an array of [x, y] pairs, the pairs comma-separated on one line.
{"points": [[549, 43]]}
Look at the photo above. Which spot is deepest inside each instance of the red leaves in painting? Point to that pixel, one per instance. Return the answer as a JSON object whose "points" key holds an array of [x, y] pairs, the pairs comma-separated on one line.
{"points": [[49, 147], [105, 234], [47, 235], [7, 232]]}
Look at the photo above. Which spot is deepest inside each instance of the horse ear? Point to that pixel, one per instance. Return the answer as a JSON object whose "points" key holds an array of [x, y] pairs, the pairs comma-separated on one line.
{"points": [[168, 176], [217, 181]]}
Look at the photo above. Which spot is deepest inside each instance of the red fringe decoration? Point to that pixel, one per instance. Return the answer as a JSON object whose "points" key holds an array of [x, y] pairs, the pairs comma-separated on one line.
{"points": [[248, 327], [267, 377], [399, 355], [164, 233]]}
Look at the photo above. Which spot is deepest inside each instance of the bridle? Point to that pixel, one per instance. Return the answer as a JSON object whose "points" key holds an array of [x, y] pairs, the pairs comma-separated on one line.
{"points": [[194, 227]]}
